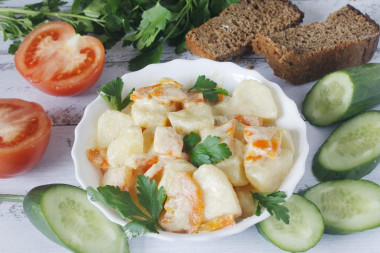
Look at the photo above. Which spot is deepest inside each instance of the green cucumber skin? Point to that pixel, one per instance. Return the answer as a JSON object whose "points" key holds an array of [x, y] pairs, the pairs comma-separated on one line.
{"points": [[322, 173], [32, 208], [366, 93], [339, 231], [33, 211]]}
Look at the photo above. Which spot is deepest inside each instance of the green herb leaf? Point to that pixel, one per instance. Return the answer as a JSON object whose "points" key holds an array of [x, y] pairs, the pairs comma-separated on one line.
{"points": [[272, 202], [146, 58], [14, 46], [207, 152], [208, 89], [190, 141], [111, 93], [149, 197]]}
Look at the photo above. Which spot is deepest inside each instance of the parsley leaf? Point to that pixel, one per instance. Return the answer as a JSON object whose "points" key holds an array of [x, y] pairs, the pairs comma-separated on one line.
{"points": [[208, 88], [207, 152], [149, 197], [272, 202], [111, 93]]}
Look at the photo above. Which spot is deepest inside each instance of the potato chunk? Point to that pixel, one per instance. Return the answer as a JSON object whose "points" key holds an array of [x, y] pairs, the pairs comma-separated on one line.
{"points": [[119, 176], [170, 170], [246, 201], [110, 124], [233, 167], [183, 205], [219, 198], [128, 142], [167, 142], [267, 173], [254, 98], [150, 114], [192, 119]]}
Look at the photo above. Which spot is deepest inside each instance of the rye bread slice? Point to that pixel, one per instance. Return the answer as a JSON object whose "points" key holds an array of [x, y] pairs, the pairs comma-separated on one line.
{"points": [[306, 53], [231, 33]]}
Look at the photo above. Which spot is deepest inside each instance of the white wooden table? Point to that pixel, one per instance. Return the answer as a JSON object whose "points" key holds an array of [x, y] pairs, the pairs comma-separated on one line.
{"points": [[17, 234]]}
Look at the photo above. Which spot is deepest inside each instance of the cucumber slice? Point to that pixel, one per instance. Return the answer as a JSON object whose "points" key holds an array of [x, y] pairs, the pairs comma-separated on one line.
{"points": [[304, 230], [342, 94], [64, 214], [352, 150], [347, 205]]}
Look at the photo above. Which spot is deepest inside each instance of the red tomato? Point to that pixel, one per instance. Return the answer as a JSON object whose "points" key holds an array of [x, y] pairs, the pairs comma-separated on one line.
{"points": [[24, 135], [58, 61]]}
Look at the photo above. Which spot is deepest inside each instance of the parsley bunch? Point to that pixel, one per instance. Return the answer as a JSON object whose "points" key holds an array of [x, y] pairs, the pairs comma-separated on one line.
{"points": [[147, 23]]}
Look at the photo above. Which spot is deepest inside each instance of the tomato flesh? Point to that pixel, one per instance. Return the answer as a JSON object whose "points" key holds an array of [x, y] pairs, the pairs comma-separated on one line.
{"points": [[58, 61], [24, 136]]}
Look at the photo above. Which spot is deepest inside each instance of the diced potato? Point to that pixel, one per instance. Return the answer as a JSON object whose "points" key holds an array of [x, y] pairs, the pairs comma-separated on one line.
{"points": [[110, 124], [148, 135], [239, 131], [262, 142], [170, 170], [150, 114], [192, 119], [193, 99], [246, 201], [249, 120], [233, 167], [219, 197], [128, 142], [183, 205], [167, 142], [218, 223], [224, 110], [225, 131], [155, 172], [254, 98], [118, 176], [165, 92], [141, 161], [267, 174]]}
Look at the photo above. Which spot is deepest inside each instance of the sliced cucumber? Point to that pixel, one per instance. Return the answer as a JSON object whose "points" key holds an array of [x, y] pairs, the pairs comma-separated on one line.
{"points": [[304, 230], [65, 215], [347, 205], [342, 94], [352, 150]]}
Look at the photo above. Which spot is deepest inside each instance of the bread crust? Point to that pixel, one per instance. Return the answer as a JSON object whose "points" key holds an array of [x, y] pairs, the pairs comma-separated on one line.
{"points": [[299, 69], [197, 39]]}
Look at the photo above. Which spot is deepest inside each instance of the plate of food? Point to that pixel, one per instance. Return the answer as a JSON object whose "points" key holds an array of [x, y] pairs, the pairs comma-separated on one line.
{"points": [[210, 134]]}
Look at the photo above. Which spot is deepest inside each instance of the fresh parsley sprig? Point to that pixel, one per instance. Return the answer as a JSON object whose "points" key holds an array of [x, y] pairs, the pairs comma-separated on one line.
{"points": [[208, 88], [149, 197], [111, 93], [272, 202], [207, 152]]}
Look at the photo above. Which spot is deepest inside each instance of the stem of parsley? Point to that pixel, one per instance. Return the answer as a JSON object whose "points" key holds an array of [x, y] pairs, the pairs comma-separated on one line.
{"points": [[60, 15], [11, 198]]}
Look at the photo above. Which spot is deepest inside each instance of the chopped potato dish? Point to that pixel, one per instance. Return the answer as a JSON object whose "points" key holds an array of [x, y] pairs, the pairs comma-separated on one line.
{"points": [[167, 128]]}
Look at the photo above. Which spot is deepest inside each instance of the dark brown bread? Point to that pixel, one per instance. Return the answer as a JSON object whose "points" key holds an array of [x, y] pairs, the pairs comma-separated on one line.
{"points": [[306, 53], [231, 33]]}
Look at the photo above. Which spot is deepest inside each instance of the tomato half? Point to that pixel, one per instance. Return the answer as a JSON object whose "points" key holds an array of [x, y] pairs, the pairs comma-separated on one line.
{"points": [[58, 61], [24, 135]]}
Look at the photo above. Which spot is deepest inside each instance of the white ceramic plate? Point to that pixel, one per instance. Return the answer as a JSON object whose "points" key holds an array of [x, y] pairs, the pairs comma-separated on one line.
{"points": [[228, 76]]}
